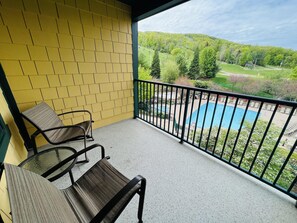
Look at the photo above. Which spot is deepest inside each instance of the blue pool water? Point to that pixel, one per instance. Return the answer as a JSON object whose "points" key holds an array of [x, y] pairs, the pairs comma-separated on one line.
{"points": [[238, 116], [162, 108]]}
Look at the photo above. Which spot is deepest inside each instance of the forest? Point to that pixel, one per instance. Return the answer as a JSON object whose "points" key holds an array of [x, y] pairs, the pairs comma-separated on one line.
{"points": [[208, 62]]}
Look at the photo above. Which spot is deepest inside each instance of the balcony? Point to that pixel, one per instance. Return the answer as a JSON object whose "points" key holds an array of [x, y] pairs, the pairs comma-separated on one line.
{"points": [[255, 135], [183, 183]]}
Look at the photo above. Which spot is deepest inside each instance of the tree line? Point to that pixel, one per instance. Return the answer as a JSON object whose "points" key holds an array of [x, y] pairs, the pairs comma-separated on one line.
{"points": [[226, 51], [203, 65], [187, 57]]}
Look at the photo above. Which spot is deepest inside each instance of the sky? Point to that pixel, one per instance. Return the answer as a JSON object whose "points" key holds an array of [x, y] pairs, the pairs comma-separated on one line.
{"points": [[256, 22]]}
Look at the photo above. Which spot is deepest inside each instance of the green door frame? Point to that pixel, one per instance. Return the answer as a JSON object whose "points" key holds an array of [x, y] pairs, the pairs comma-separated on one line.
{"points": [[14, 109], [4, 139]]}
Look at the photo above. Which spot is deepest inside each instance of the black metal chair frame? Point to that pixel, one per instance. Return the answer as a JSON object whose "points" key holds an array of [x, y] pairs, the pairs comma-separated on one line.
{"points": [[117, 197], [84, 137]]}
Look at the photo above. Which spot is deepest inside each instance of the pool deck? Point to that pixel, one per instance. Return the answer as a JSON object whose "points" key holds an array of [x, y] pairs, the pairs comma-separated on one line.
{"points": [[279, 119]]}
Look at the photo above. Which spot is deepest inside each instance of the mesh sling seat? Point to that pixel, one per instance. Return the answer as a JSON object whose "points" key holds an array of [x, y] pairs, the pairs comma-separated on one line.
{"points": [[99, 195], [48, 123]]}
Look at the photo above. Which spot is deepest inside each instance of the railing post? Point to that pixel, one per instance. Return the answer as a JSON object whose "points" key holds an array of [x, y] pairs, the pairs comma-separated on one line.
{"points": [[185, 115], [136, 90], [135, 66]]}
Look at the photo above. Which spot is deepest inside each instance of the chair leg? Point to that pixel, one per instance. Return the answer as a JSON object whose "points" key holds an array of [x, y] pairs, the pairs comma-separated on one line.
{"points": [[34, 143], [90, 138], [71, 177], [91, 131], [86, 160], [141, 200]]}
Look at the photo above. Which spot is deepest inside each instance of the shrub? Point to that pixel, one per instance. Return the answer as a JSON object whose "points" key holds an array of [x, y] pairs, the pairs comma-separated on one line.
{"points": [[144, 74], [184, 81], [294, 73], [201, 84], [170, 72], [143, 60]]}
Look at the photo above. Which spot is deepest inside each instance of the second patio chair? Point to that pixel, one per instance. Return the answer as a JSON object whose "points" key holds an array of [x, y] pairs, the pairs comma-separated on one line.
{"points": [[99, 195], [48, 123]]}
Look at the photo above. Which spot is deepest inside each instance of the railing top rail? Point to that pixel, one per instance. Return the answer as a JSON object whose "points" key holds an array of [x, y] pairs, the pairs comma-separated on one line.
{"points": [[230, 94]]}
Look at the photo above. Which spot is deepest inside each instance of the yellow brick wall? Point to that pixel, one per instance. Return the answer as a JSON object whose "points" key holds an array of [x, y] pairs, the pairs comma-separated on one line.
{"points": [[72, 54], [15, 154]]}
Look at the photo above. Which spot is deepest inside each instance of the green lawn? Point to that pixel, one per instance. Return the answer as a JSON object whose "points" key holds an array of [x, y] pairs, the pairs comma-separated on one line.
{"points": [[269, 72], [150, 53], [222, 81]]}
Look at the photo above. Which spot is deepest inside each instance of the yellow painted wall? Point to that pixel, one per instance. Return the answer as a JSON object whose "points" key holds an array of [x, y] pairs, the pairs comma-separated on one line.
{"points": [[15, 154], [73, 54]]}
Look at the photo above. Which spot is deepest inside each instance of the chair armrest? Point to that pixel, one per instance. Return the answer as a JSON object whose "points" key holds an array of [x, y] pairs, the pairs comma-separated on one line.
{"points": [[56, 128], [60, 127], [77, 111], [114, 201], [63, 162]]}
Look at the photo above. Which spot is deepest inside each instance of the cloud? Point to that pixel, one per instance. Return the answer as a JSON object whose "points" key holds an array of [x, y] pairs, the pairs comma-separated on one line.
{"points": [[267, 22]]}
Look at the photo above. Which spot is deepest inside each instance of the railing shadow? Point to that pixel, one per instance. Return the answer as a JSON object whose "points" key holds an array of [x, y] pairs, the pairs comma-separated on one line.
{"points": [[253, 134]]}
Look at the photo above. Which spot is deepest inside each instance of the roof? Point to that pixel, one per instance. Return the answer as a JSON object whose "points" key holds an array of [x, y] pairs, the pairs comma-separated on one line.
{"points": [[142, 9]]}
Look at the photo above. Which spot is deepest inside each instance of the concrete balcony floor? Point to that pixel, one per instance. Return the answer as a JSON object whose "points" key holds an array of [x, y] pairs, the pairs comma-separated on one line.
{"points": [[183, 184]]}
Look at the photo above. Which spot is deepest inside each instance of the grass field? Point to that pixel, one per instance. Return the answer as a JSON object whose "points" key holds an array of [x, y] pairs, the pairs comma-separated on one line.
{"points": [[149, 54], [264, 72]]}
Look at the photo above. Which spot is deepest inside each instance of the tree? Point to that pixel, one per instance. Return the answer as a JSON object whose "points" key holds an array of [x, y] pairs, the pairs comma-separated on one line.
{"points": [[170, 72], [278, 59], [142, 60], [208, 64], [293, 60], [143, 73], [182, 65], [176, 51], [237, 54], [222, 53], [155, 68], [194, 67], [145, 93], [215, 144], [267, 60], [245, 57], [229, 58], [294, 73]]}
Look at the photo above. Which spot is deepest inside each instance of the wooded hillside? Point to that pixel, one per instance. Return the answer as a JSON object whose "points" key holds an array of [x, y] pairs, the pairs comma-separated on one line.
{"points": [[208, 62], [227, 51]]}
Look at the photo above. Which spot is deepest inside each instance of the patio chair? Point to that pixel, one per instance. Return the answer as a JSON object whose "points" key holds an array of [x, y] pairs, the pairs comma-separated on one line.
{"points": [[48, 123], [99, 195]]}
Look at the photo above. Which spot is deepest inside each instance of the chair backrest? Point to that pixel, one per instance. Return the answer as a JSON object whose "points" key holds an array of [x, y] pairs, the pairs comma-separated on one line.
{"points": [[34, 199], [42, 116]]}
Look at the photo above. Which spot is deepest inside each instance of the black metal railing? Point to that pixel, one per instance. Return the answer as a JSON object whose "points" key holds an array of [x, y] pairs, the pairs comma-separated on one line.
{"points": [[255, 135]]}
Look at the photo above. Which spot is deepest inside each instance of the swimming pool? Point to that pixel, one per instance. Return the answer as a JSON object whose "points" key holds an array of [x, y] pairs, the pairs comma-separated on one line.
{"points": [[161, 108], [238, 115]]}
